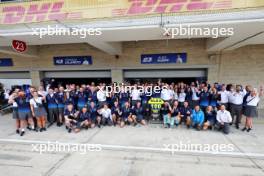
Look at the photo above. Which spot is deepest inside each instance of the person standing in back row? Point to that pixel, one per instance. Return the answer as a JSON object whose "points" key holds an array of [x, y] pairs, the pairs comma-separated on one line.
{"points": [[52, 107], [236, 99]]}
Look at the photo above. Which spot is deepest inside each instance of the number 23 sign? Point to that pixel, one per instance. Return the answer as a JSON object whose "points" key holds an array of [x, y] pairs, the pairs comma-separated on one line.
{"points": [[19, 46]]}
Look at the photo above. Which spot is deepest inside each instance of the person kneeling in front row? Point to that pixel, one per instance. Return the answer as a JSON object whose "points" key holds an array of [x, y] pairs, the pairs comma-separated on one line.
{"points": [[197, 118], [70, 116], [223, 118], [84, 120], [137, 114], [106, 114], [210, 118]]}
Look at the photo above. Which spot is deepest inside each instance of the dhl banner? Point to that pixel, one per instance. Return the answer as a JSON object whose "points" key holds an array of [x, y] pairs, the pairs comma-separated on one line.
{"points": [[49, 10]]}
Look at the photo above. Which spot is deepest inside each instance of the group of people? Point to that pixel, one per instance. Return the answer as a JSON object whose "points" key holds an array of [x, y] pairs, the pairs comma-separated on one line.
{"points": [[198, 105]]}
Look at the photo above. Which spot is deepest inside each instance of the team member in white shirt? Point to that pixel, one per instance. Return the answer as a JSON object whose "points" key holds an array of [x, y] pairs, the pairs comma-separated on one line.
{"points": [[106, 114], [181, 97], [135, 95], [38, 110], [251, 108], [101, 96], [236, 105], [195, 98], [223, 118], [166, 94], [223, 96]]}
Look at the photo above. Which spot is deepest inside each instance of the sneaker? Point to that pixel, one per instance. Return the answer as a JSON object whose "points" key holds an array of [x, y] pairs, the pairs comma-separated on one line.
{"points": [[17, 131], [22, 133], [41, 129], [35, 130], [69, 130], [99, 126], [29, 128], [237, 126], [44, 129]]}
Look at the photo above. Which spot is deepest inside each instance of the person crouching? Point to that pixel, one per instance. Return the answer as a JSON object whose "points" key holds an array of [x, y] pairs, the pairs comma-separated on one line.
{"points": [[197, 118], [70, 116]]}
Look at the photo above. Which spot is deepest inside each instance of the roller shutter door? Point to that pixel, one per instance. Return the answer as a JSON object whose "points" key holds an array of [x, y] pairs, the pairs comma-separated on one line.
{"points": [[78, 74], [9, 79], [186, 73]]}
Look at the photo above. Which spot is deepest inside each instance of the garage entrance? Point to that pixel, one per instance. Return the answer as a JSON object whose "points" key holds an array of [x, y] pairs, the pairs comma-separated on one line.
{"points": [[78, 77], [168, 76], [13, 79]]}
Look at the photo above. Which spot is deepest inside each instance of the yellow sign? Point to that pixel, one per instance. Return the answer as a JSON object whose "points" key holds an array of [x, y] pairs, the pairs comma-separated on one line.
{"points": [[49, 10]]}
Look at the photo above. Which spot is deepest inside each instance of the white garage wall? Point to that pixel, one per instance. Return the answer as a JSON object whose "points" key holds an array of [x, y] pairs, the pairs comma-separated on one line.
{"points": [[8, 83]]}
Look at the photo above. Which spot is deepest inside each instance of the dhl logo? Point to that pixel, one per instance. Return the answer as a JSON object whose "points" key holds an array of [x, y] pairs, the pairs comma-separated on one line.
{"points": [[35, 13], [139, 7]]}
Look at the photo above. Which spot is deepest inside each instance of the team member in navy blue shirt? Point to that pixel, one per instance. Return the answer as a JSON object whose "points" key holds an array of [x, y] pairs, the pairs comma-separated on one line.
{"points": [[82, 98], [52, 102], [123, 98], [204, 98], [61, 98], [214, 96], [23, 110], [70, 116], [126, 114], [138, 114], [84, 119], [92, 95], [210, 118], [116, 112], [95, 118], [185, 113], [144, 101], [175, 114]]}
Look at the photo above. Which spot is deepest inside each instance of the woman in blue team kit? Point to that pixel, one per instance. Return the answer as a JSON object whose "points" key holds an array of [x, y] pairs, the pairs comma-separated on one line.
{"points": [[210, 118], [95, 118], [138, 114], [92, 95], [82, 99], [123, 97], [144, 101], [24, 111], [61, 98], [204, 98], [214, 98], [175, 114], [116, 112], [126, 114]]}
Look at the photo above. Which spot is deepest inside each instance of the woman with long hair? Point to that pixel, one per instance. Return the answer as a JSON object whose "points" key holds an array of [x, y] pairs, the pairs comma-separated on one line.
{"points": [[251, 108]]}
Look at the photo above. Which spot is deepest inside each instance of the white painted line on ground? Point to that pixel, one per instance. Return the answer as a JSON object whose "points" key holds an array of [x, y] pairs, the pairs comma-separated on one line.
{"points": [[138, 148]]}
